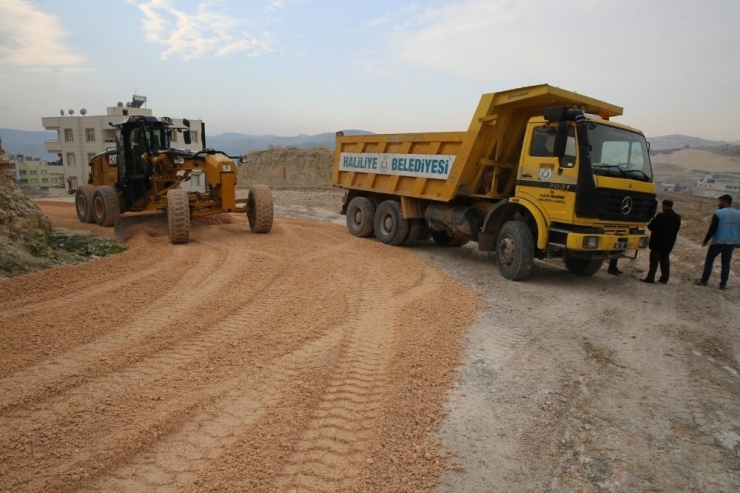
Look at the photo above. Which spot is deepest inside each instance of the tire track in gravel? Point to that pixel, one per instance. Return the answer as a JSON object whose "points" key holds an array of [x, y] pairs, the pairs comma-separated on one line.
{"points": [[240, 366]]}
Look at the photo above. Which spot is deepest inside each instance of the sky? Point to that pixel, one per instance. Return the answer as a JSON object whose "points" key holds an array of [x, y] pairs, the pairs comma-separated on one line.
{"points": [[288, 67]]}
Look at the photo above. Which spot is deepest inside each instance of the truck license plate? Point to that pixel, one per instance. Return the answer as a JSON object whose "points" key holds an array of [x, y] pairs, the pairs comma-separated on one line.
{"points": [[622, 245]]}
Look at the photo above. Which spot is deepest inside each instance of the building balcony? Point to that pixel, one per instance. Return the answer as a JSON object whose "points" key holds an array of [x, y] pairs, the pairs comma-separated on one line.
{"points": [[53, 145]]}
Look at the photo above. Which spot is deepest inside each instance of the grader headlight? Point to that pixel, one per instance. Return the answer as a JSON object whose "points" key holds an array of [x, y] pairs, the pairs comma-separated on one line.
{"points": [[179, 160]]}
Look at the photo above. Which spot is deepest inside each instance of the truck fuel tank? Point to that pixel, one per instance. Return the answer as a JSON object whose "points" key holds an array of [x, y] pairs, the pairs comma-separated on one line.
{"points": [[457, 219]]}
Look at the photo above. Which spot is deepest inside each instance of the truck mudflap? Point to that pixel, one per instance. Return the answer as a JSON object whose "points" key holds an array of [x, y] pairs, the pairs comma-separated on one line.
{"points": [[124, 222], [597, 246]]}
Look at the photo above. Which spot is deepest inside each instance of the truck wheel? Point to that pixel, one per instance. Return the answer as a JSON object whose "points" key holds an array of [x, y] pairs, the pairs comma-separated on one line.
{"points": [[360, 217], [443, 238], [582, 266], [178, 216], [105, 206], [259, 209], [390, 226], [515, 251], [414, 229], [84, 203]]}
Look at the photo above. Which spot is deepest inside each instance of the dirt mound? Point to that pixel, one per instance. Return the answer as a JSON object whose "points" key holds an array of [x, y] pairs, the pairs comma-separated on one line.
{"points": [[288, 167], [24, 230]]}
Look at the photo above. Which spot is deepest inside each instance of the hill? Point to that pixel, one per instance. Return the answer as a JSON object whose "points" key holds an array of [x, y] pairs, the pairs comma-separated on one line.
{"points": [[28, 143], [677, 141], [235, 144]]}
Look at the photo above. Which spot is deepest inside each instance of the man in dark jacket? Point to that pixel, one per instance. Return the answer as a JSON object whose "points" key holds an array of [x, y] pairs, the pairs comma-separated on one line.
{"points": [[664, 230]]}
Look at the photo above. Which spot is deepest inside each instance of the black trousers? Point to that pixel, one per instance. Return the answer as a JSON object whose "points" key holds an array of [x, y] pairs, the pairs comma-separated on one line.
{"points": [[659, 258]]}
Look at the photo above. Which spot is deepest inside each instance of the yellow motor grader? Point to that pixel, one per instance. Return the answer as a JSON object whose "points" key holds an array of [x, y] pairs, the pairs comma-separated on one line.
{"points": [[143, 173]]}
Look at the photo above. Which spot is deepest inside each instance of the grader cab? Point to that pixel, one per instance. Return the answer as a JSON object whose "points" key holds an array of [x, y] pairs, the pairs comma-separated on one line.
{"points": [[144, 173]]}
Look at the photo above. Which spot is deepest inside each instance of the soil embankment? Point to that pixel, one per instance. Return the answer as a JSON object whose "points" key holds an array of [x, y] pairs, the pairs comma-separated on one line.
{"points": [[288, 167]]}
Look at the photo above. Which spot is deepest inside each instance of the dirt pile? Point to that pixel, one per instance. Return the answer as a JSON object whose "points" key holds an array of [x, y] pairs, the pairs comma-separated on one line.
{"points": [[24, 230], [288, 167]]}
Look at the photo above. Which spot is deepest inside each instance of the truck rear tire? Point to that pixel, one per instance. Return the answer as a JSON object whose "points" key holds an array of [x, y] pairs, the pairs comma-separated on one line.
{"points": [[414, 229], [515, 251], [360, 217], [443, 238], [259, 209], [105, 206], [390, 226], [178, 216], [84, 203], [582, 266]]}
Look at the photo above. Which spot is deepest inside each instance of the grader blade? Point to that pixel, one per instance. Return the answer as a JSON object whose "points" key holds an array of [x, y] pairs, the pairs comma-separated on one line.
{"points": [[123, 223]]}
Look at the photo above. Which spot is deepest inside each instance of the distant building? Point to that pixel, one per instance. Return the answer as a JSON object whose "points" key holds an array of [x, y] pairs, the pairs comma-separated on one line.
{"points": [[79, 138], [33, 173], [717, 182]]}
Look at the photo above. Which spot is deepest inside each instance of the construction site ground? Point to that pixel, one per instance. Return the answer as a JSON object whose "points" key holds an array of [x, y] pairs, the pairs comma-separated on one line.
{"points": [[310, 360]]}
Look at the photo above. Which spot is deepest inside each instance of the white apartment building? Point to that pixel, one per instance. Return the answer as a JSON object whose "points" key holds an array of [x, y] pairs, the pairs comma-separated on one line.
{"points": [[80, 137]]}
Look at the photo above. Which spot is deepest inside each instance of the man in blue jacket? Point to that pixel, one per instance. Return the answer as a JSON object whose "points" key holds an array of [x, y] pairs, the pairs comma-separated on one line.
{"points": [[664, 230], [725, 235]]}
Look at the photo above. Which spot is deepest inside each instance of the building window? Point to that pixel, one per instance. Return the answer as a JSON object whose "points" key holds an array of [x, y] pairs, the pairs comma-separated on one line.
{"points": [[33, 180], [70, 159], [174, 136], [55, 180], [73, 183], [23, 181], [68, 135], [32, 171], [22, 172], [194, 137], [44, 180], [90, 133], [44, 172]]}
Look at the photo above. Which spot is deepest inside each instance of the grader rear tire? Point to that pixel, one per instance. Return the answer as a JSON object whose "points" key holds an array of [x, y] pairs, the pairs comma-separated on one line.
{"points": [[105, 206], [84, 203], [178, 216], [360, 217], [259, 209]]}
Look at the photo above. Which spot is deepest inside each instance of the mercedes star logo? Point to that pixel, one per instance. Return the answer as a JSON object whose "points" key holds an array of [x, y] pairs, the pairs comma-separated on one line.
{"points": [[627, 205]]}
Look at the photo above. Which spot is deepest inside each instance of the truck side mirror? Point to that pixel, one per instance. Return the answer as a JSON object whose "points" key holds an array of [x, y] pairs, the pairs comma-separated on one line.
{"points": [[561, 140], [186, 137]]}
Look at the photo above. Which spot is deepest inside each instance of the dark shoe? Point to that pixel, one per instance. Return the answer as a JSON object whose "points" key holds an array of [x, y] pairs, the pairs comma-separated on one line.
{"points": [[615, 272], [648, 281], [699, 282], [662, 281], [722, 288]]}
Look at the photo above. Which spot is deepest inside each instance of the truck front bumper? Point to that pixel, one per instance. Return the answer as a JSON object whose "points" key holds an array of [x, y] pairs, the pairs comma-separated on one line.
{"points": [[604, 246]]}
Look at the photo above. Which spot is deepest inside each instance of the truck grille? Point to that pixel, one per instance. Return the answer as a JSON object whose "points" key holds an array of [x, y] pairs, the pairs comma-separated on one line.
{"points": [[628, 206]]}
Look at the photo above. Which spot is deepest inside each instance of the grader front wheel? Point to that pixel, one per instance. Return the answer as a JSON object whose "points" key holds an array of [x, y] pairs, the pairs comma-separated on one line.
{"points": [[259, 209], [178, 216]]}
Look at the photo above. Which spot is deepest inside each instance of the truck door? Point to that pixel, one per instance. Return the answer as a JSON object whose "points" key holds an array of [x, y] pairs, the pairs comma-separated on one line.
{"points": [[545, 178]]}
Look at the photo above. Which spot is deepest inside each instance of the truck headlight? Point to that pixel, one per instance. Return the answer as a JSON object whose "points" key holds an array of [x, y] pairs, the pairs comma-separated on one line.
{"points": [[643, 242], [591, 242]]}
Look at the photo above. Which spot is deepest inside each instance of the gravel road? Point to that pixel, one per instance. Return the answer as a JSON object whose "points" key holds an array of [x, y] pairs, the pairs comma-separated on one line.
{"points": [[309, 360]]}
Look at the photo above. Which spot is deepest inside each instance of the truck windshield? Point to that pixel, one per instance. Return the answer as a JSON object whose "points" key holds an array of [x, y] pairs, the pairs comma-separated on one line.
{"points": [[619, 152]]}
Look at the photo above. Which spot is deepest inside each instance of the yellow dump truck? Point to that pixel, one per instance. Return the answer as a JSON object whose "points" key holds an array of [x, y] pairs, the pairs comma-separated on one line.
{"points": [[540, 173]]}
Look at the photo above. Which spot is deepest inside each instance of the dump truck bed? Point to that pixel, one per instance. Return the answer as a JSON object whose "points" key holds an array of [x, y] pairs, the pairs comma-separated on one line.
{"points": [[442, 165]]}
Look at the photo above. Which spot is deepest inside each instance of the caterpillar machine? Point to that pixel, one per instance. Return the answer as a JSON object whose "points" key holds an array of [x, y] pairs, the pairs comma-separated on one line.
{"points": [[144, 173]]}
